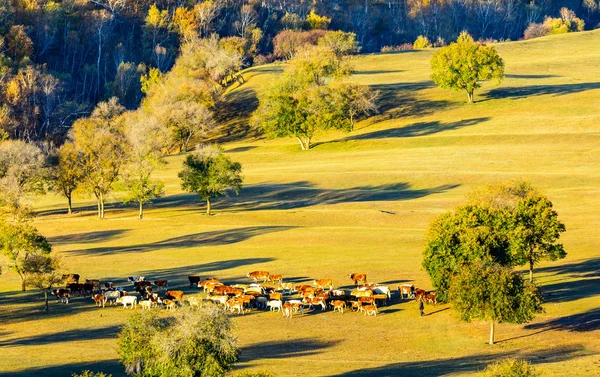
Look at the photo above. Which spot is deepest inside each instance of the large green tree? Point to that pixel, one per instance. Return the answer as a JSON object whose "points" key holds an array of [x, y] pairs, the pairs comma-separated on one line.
{"points": [[210, 173], [68, 174], [19, 240], [191, 343], [464, 64], [307, 99], [490, 292], [101, 144]]}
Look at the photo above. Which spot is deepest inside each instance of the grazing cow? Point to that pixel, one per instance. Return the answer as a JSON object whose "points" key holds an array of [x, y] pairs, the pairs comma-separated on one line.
{"points": [[95, 284], [88, 288], [365, 293], [316, 301], [140, 286], [420, 294], [76, 288], [170, 305], [287, 310], [338, 305], [366, 300], [146, 304], [297, 305], [162, 284], [203, 284], [211, 286], [275, 296], [112, 297], [126, 300], [356, 277], [71, 278], [276, 278], [369, 310], [406, 291], [62, 295], [286, 288], [274, 305], [381, 298], [219, 299], [174, 295], [261, 302], [430, 298], [236, 303], [194, 280], [382, 290], [338, 293], [136, 279], [236, 292], [323, 283], [255, 289], [194, 301], [258, 275], [99, 299], [110, 286]]}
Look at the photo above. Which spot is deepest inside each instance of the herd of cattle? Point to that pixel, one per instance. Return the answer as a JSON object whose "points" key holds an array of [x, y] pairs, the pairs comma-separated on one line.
{"points": [[267, 294]]}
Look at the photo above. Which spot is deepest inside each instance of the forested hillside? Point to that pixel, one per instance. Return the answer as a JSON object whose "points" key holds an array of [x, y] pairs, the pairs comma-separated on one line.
{"points": [[60, 58]]}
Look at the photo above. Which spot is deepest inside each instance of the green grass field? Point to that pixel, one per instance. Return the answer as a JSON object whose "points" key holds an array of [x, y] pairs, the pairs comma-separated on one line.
{"points": [[357, 202]]}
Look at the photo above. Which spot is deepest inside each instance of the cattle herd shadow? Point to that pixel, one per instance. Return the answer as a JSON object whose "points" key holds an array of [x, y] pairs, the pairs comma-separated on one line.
{"points": [[465, 364], [301, 194], [203, 239], [65, 336], [285, 349], [107, 366]]}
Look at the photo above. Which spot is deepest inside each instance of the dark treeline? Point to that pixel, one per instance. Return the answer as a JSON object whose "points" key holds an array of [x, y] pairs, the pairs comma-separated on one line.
{"points": [[59, 59]]}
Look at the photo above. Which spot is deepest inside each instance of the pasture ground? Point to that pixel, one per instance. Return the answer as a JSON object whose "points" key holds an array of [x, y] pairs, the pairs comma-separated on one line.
{"points": [[357, 202]]}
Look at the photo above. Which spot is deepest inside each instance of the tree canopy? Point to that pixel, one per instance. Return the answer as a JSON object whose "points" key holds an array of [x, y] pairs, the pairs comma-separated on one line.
{"points": [[210, 173], [464, 64]]}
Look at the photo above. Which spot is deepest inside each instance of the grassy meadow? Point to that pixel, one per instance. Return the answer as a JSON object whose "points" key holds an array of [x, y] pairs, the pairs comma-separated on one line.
{"points": [[356, 202]]}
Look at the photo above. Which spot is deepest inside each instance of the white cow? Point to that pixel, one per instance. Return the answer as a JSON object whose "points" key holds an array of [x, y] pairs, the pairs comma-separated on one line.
{"points": [[128, 300], [275, 305], [112, 297], [146, 304]]}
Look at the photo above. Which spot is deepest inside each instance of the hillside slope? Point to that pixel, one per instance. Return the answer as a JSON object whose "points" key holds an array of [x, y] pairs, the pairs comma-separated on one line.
{"points": [[356, 202]]}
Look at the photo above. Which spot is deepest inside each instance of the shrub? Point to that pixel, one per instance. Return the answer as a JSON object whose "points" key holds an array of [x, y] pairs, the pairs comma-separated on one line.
{"points": [[402, 47], [510, 368], [287, 42], [421, 43], [87, 373], [535, 30], [263, 59]]}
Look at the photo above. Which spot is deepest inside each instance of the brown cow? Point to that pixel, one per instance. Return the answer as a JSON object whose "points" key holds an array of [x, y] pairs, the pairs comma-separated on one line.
{"points": [[420, 294], [276, 278], [174, 295], [356, 277], [95, 284], [319, 301], [322, 283], [61, 294], [338, 305], [99, 300], [406, 290], [194, 280], [162, 284], [430, 298], [76, 287], [258, 275], [275, 296], [369, 310]]}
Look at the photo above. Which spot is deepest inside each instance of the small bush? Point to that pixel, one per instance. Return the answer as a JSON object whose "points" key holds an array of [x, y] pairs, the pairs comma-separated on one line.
{"points": [[510, 368], [87, 373], [263, 59], [421, 43], [287, 42], [402, 47], [260, 373], [535, 31]]}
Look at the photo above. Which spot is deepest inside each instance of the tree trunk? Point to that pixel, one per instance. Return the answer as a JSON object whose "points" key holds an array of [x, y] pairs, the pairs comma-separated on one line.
{"points": [[141, 210], [304, 143], [492, 328], [46, 298], [70, 206], [470, 96], [208, 206], [23, 283], [101, 206], [98, 200], [531, 271]]}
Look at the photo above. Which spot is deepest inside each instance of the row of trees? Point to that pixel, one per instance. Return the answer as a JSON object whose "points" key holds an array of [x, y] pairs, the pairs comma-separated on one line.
{"points": [[59, 59], [471, 252]]}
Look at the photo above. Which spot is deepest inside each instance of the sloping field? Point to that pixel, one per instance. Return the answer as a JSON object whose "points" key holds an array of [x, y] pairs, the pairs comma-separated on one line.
{"points": [[357, 202]]}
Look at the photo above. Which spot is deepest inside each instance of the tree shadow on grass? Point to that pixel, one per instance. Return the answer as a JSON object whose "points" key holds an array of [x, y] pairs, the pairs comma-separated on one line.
{"points": [[540, 90], [107, 366], [214, 238], [513, 76], [88, 237], [274, 196], [285, 349], [377, 72], [417, 129], [465, 364], [581, 322], [65, 336], [573, 281]]}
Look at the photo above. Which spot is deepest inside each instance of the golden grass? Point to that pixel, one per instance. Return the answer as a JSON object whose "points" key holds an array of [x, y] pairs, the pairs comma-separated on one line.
{"points": [[358, 202]]}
